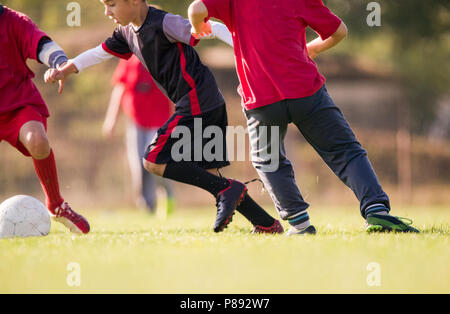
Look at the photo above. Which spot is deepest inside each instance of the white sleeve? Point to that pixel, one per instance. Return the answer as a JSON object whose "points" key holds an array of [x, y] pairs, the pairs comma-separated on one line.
{"points": [[220, 31], [91, 57]]}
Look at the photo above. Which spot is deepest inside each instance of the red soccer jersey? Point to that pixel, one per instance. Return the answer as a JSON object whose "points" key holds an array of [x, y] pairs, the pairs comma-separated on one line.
{"points": [[19, 41], [270, 46], [142, 100]]}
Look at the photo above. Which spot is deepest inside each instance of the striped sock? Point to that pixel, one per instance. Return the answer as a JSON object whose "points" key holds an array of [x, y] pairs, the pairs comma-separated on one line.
{"points": [[300, 220], [379, 209]]}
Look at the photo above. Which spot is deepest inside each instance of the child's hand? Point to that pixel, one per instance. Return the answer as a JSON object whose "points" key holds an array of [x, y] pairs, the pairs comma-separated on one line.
{"points": [[204, 31], [312, 53], [54, 75]]}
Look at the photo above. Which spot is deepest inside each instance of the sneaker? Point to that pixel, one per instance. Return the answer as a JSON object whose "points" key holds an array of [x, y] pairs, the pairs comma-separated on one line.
{"points": [[311, 230], [388, 223], [69, 218], [273, 229], [227, 201]]}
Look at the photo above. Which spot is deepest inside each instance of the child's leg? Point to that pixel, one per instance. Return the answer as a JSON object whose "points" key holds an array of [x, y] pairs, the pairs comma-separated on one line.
{"points": [[251, 210], [255, 213], [167, 185], [33, 136], [147, 180], [268, 149], [228, 193], [134, 163], [163, 158], [189, 173], [325, 128], [28, 134]]}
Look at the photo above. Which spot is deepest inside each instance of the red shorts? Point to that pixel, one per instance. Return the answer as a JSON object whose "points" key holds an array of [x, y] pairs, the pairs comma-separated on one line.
{"points": [[12, 122]]}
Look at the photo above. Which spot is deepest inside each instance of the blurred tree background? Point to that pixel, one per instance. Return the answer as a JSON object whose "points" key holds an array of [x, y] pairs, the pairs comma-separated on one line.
{"points": [[392, 82]]}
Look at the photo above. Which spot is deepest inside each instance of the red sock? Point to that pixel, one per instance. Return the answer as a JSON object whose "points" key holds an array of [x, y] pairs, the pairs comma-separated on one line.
{"points": [[46, 171]]}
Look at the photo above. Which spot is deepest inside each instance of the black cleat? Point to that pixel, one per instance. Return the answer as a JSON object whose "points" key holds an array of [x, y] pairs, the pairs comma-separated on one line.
{"points": [[227, 201]]}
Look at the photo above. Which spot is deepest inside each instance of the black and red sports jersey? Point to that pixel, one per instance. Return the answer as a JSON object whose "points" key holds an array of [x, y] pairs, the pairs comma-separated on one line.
{"points": [[164, 44]]}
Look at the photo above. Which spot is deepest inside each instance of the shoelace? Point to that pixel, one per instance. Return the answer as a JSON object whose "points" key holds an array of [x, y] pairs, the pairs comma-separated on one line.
{"points": [[254, 180], [406, 221], [247, 182], [65, 208]]}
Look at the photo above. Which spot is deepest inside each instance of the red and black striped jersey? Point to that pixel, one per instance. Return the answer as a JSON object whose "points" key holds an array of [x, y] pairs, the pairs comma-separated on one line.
{"points": [[164, 45]]}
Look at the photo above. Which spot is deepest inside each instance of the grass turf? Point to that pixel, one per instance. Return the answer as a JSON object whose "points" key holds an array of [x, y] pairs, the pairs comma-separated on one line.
{"points": [[129, 251]]}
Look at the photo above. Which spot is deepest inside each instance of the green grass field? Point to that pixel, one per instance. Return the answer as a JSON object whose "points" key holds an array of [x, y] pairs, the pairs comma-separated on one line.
{"points": [[129, 251]]}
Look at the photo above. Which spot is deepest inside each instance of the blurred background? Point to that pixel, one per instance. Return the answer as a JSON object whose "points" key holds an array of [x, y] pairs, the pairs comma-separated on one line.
{"points": [[391, 81]]}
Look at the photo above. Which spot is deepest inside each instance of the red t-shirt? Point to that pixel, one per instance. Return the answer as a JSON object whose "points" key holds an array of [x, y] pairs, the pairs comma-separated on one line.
{"points": [[19, 40], [270, 46], [142, 100]]}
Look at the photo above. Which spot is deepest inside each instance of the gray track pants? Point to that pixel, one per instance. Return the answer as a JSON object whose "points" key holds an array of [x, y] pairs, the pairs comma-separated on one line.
{"points": [[325, 128]]}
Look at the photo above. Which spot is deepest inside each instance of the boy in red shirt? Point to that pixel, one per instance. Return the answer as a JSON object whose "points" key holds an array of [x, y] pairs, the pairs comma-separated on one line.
{"points": [[23, 113], [280, 84], [147, 109]]}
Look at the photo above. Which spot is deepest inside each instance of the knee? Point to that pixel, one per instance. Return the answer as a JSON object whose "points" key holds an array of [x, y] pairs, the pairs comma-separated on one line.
{"points": [[153, 168], [37, 145]]}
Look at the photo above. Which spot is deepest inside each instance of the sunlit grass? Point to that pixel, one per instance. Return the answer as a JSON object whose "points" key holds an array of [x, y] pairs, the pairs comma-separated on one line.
{"points": [[129, 251]]}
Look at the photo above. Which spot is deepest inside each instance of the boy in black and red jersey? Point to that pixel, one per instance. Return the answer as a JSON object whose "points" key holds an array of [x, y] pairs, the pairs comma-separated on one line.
{"points": [[163, 43]]}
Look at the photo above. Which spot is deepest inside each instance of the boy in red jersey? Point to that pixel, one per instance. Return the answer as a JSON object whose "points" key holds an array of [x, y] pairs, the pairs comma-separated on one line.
{"points": [[23, 113], [280, 84]]}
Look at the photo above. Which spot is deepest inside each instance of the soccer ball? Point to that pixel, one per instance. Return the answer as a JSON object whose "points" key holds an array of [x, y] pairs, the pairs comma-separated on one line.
{"points": [[23, 216]]}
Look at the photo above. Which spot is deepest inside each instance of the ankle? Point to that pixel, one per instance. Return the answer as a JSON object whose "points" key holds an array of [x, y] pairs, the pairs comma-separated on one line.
{"points": [[53, 206], [300, 221], [379, 209]]}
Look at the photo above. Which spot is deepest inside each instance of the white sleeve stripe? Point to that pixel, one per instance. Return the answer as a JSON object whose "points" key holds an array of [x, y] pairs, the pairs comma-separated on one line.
{"points": [[91, 57], [50, 50]]}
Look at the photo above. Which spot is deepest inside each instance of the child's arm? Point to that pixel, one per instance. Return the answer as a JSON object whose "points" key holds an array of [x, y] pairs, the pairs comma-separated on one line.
{"points": [[116, 45], [113, 110], [325, 23], [319, 45], [50, 53], [198, 13], [83, 61], [91, 57], [178, 29], [219, 31]]}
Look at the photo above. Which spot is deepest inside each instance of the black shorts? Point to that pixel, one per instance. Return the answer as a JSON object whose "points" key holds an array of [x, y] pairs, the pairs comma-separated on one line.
{"points": [[182, 138]]}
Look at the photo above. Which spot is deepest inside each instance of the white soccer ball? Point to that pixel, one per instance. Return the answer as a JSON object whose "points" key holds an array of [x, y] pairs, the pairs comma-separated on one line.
{"points": [[23, 216]]}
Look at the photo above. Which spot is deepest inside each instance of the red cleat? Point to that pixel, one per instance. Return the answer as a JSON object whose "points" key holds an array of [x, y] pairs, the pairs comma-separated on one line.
{"points": [[273, 229], [69, 218]]}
